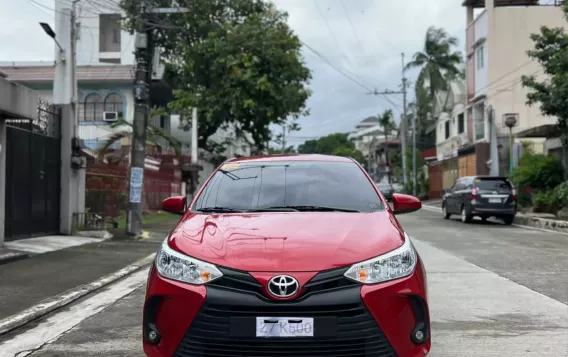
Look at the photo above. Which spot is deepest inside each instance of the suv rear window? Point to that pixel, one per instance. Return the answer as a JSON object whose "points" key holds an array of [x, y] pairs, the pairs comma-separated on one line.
{"points": [[295, 183], [492, 184]]}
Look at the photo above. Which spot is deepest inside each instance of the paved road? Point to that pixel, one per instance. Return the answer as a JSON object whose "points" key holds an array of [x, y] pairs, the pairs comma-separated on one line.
{"points": [[494, 291]]}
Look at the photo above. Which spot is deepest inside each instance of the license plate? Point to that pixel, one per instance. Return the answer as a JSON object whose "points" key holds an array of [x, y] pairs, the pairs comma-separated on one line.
{"points": [[284, 327], [494, 200]]}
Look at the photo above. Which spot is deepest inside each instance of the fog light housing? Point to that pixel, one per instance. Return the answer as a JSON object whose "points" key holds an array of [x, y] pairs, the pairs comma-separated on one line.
{"points": [[153, 336], [419, 334]]}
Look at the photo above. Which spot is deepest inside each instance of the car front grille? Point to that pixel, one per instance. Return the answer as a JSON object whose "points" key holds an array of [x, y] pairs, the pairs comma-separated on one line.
{"points": [[325, 281], [355, 332]]}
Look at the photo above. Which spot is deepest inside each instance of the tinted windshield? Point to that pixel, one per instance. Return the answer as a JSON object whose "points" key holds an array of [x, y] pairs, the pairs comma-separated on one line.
{"points": [[493, 184], [301, 183]]}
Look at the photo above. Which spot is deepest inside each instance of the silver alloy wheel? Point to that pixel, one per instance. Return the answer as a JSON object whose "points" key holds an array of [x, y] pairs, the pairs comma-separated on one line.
{"points": [[444, 212], [464, 215]]}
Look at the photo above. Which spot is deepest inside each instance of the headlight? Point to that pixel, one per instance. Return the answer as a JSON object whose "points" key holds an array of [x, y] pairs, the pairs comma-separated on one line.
{"points": [[392, 265], [177, 266]]}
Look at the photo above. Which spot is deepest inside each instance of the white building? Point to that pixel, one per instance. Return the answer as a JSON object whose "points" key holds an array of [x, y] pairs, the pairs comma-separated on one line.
{"points": [[105, 75]]}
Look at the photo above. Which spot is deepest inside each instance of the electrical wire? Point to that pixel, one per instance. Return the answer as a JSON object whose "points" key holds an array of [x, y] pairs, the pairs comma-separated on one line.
{"points": [[352, 27]]}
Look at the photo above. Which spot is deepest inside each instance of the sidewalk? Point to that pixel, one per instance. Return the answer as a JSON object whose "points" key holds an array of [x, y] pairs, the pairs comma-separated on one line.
{"points": [[28, 282]]}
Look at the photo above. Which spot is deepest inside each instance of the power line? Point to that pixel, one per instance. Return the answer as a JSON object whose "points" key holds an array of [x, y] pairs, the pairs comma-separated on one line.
{"points": [[323, 58], [353, 27]]}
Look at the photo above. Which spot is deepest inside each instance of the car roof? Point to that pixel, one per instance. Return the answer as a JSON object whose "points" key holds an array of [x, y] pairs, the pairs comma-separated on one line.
{"points": [[289, 157]]}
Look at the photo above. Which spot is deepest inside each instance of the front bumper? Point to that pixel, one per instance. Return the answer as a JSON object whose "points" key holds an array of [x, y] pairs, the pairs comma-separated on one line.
{"points": [[350, 319]]}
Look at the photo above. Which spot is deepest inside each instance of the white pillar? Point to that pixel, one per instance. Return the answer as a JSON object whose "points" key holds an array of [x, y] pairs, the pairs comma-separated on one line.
{"points": [[2, 179]]}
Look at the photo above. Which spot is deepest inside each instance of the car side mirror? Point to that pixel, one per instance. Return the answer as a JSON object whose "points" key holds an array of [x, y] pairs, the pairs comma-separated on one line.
{"points": [[405, 203], [175, 204]]}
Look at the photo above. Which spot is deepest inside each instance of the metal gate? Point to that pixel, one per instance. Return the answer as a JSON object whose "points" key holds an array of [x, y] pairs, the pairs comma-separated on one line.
{"points": [[32, 175]]}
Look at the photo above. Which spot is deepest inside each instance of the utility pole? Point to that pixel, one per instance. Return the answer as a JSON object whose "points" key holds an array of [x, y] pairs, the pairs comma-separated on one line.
{"points": [[283, 138], [385, 93], [142, 78], [403, 122]]}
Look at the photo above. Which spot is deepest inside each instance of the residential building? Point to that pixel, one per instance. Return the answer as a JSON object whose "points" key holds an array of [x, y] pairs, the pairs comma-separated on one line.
{"points": [[452, 135], [367, 136], [497, 42]]}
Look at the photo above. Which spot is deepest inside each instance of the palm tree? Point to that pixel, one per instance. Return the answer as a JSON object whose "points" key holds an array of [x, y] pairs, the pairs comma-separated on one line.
{"points": [[438, 61], [387, 123], [153, 134]]}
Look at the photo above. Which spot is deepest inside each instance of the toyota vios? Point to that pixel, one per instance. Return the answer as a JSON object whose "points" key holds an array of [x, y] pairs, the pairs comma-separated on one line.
{"points": [[295, 256]]}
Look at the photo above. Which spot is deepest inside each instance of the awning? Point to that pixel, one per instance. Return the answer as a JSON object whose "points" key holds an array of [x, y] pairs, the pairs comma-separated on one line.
{"points": [[543, 131]]}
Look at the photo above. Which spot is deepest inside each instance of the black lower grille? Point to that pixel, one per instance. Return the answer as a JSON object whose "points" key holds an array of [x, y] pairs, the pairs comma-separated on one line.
{"points": [[225, 327]]}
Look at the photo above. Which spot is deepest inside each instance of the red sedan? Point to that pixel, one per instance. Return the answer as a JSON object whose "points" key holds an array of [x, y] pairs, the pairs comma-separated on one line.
{"points": [[295, 256]]}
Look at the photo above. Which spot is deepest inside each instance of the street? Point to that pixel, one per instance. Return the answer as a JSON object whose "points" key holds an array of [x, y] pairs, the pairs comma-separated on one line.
{"points": [[494, 290]]}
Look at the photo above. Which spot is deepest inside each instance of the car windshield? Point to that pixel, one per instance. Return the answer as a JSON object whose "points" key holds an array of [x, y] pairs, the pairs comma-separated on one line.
{"points": [[493, 184], [303, 185]]}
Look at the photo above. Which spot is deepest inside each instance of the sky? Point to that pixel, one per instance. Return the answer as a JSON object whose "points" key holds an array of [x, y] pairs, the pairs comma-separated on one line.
{"points": [[363, 39]]}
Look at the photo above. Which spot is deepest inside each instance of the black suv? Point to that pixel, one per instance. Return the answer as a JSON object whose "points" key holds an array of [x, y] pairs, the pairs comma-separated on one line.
{"points": [[481, 196]]}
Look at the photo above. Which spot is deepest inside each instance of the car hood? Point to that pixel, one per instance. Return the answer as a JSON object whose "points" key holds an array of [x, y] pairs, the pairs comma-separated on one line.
{"points": [[286, 242]]}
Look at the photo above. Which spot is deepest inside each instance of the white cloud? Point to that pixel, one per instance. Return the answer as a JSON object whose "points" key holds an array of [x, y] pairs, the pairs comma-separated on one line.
{"points": [[384, 28]]}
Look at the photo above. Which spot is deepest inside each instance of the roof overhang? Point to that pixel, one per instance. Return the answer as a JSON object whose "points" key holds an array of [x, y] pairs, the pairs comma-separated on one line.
{"points": [[544, 131], [500, 3]]}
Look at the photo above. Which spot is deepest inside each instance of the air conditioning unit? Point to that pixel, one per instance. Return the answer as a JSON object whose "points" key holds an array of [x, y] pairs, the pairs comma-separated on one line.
{"points": [[110, 116]]}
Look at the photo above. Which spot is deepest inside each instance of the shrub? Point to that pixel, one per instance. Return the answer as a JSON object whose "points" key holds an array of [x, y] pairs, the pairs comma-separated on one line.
{"points": [[546, 202], [561, 191], [540, 172]]}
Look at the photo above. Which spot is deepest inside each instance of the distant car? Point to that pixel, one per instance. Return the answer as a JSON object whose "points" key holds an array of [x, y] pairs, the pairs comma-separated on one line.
{"points": [[481, 196], [398, 188], [386, 189]]}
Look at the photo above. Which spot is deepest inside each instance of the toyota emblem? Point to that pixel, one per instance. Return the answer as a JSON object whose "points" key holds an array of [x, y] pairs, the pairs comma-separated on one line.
{"points": [[283, 286]]}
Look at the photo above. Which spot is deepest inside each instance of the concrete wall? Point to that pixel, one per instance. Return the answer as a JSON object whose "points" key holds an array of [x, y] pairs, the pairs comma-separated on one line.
{"points": [[480, 32], [18, 100], [88, 42], [509, 30]]}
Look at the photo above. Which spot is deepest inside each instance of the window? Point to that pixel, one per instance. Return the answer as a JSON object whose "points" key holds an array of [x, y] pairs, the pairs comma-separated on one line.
{"points": [[501, 185], [109, 35], [305, 183], [114, 103], [447, 129], [93, 107], [461, 123], [479, 54]]}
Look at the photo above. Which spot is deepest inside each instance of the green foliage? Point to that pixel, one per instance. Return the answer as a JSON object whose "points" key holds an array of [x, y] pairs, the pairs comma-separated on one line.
{"points": [[539, 172], [396, 163], [439, 62], [561, 191], [551, 52], [334, 144], [288, 150], [236, 60], [546, 202]]}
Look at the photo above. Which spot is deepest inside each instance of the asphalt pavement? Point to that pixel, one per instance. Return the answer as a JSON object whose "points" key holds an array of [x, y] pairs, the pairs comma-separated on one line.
{"points": [[494, 290]]}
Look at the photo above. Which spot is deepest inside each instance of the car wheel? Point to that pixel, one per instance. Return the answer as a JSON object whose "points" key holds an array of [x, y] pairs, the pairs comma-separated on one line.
{"points": [[508, 220], [484, 219], [465, 217], [445, 212]]}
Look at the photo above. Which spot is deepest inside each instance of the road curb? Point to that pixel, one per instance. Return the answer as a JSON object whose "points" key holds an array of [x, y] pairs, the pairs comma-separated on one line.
{"points": [[527, 222], [49, 305]]}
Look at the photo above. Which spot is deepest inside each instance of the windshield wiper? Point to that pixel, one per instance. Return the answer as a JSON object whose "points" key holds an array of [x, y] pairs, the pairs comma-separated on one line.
{"points": [[219, 209], [274, 209], [320, 208]]}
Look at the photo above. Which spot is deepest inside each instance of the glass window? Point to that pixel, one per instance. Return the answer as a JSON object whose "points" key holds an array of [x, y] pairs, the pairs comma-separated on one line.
{"points": [[300, 183], [493, 184], [93, 108], [480, 59]]}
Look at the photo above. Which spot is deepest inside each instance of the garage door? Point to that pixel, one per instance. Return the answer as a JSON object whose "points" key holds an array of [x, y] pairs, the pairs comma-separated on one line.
{"points": [[467, 166]]}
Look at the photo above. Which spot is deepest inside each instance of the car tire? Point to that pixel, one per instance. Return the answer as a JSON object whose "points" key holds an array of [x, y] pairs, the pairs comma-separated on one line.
{"points": [[465, 217], [445, 212], [508, 220], [484, 219]]}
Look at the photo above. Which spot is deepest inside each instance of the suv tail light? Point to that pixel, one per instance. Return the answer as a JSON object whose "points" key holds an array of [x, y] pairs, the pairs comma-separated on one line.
{"points": [[473, 193], [514, 194]]}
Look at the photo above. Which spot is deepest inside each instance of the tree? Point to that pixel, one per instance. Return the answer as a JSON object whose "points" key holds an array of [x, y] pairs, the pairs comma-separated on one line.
{"points": [[551, 52], [236, 60], [388, 125], [438, 61], [334, 144]]}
